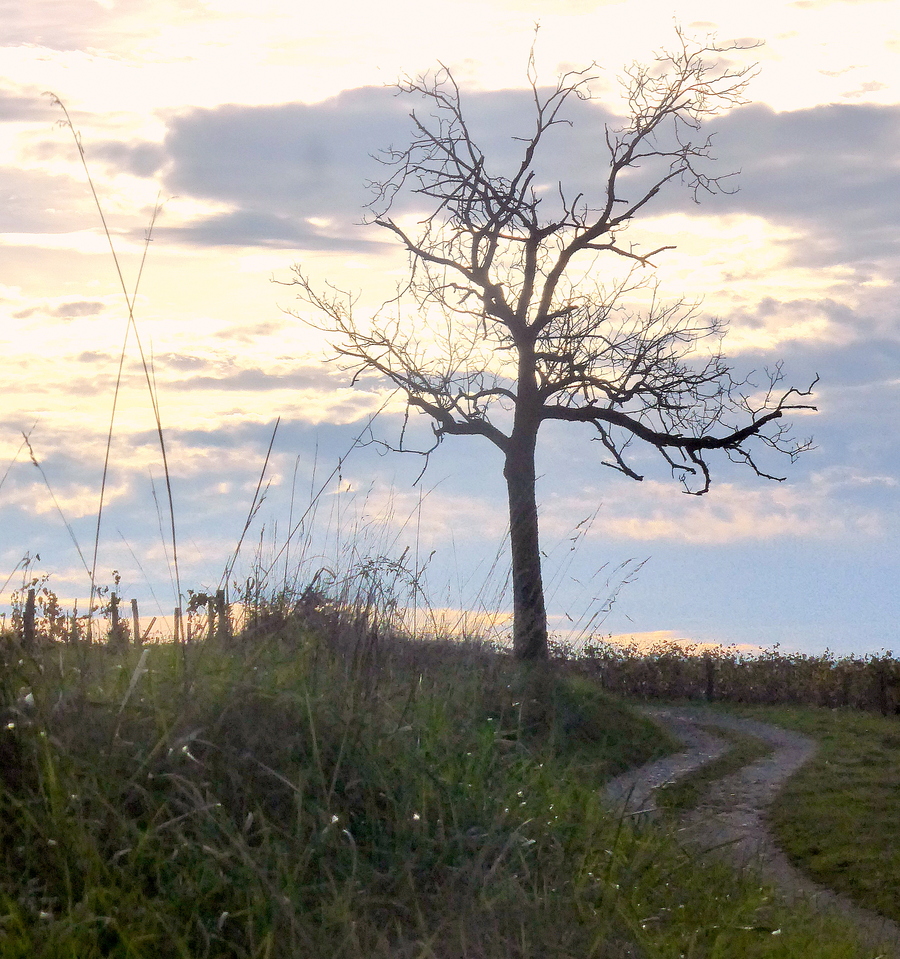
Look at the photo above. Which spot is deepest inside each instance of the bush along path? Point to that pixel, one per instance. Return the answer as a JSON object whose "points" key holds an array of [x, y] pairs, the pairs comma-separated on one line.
{"points": [[730, 818]]}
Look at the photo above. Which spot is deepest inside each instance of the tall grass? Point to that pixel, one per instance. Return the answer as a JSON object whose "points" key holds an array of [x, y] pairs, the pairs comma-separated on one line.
{"points": [[302, 792], [131, 328]]}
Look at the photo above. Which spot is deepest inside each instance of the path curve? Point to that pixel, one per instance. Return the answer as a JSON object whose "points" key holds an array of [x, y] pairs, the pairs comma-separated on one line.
{"points": [[732, 813]]}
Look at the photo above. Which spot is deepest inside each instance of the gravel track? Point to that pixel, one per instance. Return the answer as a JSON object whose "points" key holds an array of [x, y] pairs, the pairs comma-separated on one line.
{"points": [[730, 820]]}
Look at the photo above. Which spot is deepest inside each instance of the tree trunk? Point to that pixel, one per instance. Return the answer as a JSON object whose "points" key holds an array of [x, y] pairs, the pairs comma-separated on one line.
{"points": [[529, 612]]}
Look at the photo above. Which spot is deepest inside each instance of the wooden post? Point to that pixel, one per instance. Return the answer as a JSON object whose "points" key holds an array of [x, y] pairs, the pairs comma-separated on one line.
{"points": [[115, 628], [177, 625], [135, 624], [210, 618], [28, 621], [146, 635], [223, 624], [710, 667], [881, 686]]}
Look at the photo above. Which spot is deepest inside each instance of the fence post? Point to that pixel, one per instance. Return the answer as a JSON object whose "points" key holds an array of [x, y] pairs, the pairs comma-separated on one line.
{"points": [[223, 624], [28, 621], [710, 669], [177, 625], [115, 626], [135, 623], [210, 618], [882, 686]]}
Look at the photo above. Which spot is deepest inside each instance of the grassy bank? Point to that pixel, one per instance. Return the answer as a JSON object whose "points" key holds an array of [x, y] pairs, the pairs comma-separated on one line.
{"points": [[293, 799], [839, 817]]}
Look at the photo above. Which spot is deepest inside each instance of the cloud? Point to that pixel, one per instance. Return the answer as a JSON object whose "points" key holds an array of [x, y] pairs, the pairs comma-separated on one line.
{"points": [[814, 332], [830, 171], [76, 500], [65, 310], [281, 166], [142, 159], [249, 379], [858, 397], [36, 203], [73, 25], [251, 228], [835, 504], [297, 174], [21, 104]]}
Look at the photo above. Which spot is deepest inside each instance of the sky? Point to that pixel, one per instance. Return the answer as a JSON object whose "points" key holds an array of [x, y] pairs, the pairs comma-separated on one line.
{"points": [[254, 127]]}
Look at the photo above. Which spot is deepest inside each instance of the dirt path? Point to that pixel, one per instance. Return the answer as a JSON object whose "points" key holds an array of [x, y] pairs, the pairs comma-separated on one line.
{"points": [[733, 811]]}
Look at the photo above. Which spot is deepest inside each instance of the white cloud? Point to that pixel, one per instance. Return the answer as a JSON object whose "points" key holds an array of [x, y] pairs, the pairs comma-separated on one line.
{"points": [[654, 511]]}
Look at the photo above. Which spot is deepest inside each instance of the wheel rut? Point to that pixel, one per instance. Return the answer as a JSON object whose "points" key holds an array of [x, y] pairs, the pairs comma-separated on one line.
{"points": [[731, 818]]}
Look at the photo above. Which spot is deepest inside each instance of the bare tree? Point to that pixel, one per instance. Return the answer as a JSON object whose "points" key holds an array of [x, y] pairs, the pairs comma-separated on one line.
{"points": [[510, 324]]}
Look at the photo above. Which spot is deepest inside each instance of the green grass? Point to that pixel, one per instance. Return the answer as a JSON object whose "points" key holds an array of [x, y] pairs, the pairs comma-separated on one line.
{"points": [[839, 817], [291, 800]]}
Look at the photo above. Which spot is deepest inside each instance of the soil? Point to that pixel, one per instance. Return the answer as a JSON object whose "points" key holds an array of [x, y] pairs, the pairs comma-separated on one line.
{"points": [[731, 818]]}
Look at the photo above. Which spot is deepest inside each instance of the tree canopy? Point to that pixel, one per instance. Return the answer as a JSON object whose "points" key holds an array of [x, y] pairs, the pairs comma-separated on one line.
{"points": [[510, 316]]}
